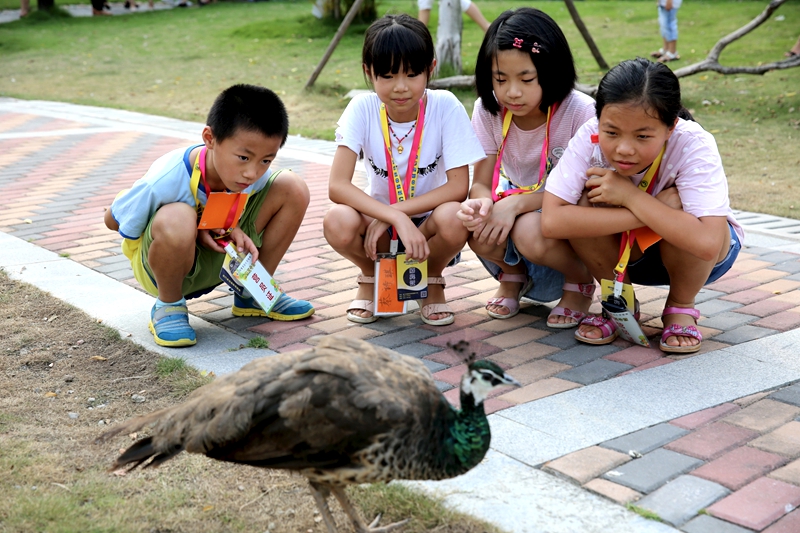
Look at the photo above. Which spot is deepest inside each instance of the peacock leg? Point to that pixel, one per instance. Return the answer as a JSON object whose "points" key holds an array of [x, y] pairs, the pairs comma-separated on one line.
{"points": [[321, 493], [358, 524]]}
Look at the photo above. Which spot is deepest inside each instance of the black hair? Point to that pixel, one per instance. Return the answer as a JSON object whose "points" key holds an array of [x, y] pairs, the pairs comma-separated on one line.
{"points": [[639, 81], [397, 41], [250, 108], [524, 29]]}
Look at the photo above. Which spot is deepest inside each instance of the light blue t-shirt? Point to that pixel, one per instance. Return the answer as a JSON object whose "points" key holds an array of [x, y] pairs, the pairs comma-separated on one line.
{"points": [[168, 180]]}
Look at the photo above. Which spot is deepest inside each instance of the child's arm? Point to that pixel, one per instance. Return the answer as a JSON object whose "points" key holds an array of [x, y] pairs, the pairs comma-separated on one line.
{"points": [[108, 218], [342, 191], [698, 236]]}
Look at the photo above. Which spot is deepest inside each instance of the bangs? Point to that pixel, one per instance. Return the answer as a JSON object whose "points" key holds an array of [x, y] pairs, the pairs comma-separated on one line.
{"points": [[398, 47]]}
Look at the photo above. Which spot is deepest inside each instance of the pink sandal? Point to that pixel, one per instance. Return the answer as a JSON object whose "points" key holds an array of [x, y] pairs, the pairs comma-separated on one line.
{"points": [[587, 290], [510, 303], [433, 309], [676, 330], [606, 326]]}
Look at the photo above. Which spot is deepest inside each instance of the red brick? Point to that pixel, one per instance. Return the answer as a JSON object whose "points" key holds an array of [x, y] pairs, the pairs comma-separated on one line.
{"points": [[759, 504], [764, 308], [636, 355], [658, 362], [732, 285], [788, 524], [739, 467], [467, 334], [462, 320], [746, 297], [290, 336], [701, 418], [780, 321], [711, 441]]}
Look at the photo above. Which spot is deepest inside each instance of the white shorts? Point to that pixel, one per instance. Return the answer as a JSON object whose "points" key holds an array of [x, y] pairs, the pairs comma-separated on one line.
{"points": [[428, 4]]}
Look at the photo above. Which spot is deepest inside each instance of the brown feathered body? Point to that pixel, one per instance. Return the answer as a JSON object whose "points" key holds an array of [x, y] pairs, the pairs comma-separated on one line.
{"points": [[342, 412]]}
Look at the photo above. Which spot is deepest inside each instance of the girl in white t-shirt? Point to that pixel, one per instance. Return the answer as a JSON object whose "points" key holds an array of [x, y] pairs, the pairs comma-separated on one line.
{"points": [[652, 169], [401, 130], [526, 114]]}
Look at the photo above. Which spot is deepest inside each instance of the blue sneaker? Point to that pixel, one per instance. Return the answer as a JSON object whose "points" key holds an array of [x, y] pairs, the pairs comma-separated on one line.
{"points": [[285, 309], [170, 326]]}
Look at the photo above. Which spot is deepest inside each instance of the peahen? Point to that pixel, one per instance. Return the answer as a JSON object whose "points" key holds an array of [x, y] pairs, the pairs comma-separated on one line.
{"points": [[342, 412]]}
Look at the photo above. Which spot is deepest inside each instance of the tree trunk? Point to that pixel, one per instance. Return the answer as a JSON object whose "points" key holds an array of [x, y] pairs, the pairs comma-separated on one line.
{"points": [[576, 18], [448, 38], [44, 5]]}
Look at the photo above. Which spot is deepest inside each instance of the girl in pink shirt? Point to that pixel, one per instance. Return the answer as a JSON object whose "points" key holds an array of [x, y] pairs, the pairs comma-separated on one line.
{"points": [[653, 170], [526, 113]]}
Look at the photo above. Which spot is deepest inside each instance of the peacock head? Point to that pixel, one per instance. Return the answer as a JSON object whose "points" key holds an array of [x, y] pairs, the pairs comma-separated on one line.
{"points": [[482, 378]]}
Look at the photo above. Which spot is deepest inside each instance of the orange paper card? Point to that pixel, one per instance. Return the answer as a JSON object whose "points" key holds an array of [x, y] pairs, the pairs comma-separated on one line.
{"points": [[386, 302], [646, 238], [219, 208]]}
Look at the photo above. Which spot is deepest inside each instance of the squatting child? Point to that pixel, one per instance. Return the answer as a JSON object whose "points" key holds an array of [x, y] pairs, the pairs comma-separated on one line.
{"points": [[158, 217]]}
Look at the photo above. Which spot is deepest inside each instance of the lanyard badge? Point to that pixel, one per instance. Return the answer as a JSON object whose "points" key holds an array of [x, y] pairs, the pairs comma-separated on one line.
{"points": [[618, 299], [222, 209], [545, 165], [397, 279]]}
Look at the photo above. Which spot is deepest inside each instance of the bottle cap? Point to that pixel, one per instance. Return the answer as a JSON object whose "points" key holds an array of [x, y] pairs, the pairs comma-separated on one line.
{"points": [[595, 138]]}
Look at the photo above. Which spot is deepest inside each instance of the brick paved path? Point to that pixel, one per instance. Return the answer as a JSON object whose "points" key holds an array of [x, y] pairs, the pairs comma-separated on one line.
{"points": [[58, 174]]}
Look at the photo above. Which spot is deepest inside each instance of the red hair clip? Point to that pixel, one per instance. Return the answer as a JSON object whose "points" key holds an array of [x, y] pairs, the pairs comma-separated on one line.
{"points": [[517, 43]]}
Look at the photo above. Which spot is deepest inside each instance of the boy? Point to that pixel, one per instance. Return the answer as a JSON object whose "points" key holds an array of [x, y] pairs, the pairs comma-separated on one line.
{"points": [[158, 217]]}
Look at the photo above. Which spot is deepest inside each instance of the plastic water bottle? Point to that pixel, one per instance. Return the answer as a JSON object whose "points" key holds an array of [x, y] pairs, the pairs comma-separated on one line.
{"points": [[597, 159]]}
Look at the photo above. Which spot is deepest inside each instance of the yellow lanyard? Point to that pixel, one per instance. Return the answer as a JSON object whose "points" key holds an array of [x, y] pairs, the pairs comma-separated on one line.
{"points": [[646, 185], [544, 163], [397, 190]]}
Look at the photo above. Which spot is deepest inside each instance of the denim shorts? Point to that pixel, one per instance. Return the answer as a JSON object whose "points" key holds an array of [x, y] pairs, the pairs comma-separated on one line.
{"points": [[668, 21], [650, 270]]}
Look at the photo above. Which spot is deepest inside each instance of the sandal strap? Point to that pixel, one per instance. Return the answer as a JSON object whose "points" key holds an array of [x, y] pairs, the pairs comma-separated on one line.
{"points": [[606, 326], [362, 305], [436, 280], [361, 278], [567, 312], [586, 289], [692, 312], [432, 309], [513, 278], [676, 330]]}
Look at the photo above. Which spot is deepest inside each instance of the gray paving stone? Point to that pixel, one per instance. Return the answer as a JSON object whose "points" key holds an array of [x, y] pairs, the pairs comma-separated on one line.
{"points": [[646, 440], [399, 338], [433, 366], [224, 301], [563, 339], [594, 372], [707, 294], [653, 470], [120, 275], [679, 500], [582, 354], [708, 524], [443, 386], [778, 257], [792, 267], [716, 306], [418, 349], [793, 277], [727, 321], [115, 267], [758, 250], [389, 325], [789, 395], [110, 260], [743, 334]]}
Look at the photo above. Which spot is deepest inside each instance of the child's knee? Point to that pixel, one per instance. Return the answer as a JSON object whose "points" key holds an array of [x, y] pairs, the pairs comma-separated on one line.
{"points": [[340, 225], [292, 188], [175, 224]]}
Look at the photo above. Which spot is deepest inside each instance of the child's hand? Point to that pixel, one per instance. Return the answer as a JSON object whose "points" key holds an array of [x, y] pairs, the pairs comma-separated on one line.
{"points": [[498, 225], [243, 243], [375, 230], [671, 198], [414, 240], [475, 212], [607, 187], [206, 239]]}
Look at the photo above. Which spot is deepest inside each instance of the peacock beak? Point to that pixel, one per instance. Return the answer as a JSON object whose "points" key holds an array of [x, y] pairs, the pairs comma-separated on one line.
{"points": [[508, 380]]}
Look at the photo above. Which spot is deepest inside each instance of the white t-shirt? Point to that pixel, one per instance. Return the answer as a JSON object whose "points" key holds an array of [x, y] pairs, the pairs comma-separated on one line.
{"points": [[523, 150], [447, 142], [691, 163]]}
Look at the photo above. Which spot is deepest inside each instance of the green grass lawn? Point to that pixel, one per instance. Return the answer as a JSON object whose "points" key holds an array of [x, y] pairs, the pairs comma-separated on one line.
{"points": [[174, 63]]}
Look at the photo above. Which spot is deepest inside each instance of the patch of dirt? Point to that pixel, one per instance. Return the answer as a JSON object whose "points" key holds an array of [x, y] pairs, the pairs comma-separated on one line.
{"points": [[65, 380]]}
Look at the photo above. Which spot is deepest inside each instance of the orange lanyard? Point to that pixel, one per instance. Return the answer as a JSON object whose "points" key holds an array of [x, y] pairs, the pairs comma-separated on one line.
{"points": [[544, 163]]}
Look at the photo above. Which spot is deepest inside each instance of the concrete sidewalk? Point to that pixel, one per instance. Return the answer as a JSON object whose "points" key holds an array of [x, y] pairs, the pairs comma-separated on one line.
{"points": [[556, 442]]}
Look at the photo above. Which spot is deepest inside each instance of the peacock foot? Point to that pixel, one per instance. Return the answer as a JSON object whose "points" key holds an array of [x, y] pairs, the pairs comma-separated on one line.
{"points": [[373, 527]]}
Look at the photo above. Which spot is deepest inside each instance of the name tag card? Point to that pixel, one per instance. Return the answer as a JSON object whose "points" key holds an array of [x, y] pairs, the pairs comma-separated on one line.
{"points": [[245, 276], [386, 300]]}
